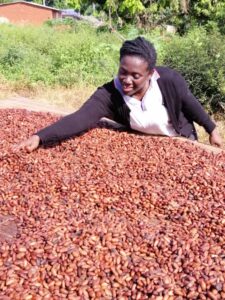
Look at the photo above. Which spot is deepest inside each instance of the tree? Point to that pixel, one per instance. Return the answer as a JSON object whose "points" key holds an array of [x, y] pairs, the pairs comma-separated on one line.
{"points": [[132, 7], [76, 4], [208, 12], [128, 7], [151, 13]]}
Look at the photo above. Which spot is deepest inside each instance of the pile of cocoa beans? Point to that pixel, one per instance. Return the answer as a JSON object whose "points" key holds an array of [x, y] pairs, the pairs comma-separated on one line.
{"points": [[109, 215]]}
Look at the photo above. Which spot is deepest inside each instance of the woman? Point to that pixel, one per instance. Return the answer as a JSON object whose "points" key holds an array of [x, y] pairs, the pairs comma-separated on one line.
{"points": [[143, 97]]}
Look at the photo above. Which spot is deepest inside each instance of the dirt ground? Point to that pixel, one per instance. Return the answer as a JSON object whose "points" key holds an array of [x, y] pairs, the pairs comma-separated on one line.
{"points": [[33, 105]]}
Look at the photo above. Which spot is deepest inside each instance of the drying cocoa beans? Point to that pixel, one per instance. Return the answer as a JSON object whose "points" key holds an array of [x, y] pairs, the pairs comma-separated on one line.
{"points": [[110, 215]]}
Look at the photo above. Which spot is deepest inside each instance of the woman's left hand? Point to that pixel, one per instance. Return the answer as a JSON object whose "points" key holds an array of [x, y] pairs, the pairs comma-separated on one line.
{"points": [[215, 138]]}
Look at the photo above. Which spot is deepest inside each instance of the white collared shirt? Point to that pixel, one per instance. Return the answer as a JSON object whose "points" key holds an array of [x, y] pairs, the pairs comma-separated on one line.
{"points": [[148, 115]]}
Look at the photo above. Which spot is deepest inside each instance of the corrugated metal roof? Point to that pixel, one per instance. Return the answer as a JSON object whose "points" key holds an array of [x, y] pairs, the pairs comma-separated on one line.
{"points": [[30, 3], [70, 13]]}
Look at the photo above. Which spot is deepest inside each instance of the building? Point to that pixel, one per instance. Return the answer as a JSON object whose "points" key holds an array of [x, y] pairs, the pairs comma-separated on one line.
{"points": [[22, 12]]}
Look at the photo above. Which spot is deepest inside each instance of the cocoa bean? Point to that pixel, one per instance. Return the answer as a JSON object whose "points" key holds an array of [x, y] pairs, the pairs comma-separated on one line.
{"points": [[109, 215]]}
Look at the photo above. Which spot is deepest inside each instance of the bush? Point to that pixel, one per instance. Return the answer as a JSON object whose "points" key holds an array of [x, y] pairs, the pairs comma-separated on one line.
{"points": [[199, 56], [54, 56], [79, 53]]}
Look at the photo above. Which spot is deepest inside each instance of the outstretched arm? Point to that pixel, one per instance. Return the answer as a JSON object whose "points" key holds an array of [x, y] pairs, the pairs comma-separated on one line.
{"points": [[99, 105]]}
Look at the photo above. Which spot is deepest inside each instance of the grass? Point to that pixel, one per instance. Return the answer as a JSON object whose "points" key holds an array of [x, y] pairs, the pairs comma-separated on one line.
{"points": [[32, 56], [66, 98], [61, 97], [6, 89]]}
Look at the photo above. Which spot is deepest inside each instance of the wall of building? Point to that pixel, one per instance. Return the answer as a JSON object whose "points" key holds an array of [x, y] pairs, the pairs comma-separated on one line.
{"points": [[22, 13]]}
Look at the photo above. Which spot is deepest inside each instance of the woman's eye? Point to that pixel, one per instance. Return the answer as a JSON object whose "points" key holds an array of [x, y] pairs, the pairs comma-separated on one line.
{"points": [[121, 72], [136, 76]]}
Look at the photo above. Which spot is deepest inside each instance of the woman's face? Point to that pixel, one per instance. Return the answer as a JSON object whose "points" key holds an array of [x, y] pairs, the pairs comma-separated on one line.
{"points": [[134, 76]]}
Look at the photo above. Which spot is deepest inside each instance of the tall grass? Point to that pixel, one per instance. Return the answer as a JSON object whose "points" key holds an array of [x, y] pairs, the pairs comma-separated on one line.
{"points": [[33, 55], [69, 55]]}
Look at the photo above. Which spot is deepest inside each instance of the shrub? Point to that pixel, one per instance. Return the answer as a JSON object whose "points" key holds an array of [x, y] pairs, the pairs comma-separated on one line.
{"points": [[80, 53], [52, 56], [199, 56]]}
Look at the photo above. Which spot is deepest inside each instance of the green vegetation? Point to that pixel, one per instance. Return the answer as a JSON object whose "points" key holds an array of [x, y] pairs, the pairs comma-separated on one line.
{"points": [[199, 56], [184, 14], [57, 55], [72, 53]]}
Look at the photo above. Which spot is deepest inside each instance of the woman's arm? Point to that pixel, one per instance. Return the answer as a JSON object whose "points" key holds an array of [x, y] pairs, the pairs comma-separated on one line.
{"points": [[90, 113], [97, 106], [194, 111]]}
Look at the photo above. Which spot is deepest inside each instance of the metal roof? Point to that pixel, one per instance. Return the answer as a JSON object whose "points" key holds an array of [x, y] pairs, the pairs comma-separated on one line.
{"points": [[30, 3]]}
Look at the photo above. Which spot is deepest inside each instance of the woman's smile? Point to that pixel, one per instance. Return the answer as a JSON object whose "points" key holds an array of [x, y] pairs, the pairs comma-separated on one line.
{"points": [[126, 87]]}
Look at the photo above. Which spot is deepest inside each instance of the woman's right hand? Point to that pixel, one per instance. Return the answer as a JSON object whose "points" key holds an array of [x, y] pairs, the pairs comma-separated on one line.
{"points": [[29, 145]]}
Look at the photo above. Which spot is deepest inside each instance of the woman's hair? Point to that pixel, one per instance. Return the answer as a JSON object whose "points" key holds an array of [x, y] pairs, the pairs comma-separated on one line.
{"points": [[142, 48]]}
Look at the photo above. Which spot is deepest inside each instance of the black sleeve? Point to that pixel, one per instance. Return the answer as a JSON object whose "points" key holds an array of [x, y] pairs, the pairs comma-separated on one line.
{"points": [[192, 108], [97, 106]]}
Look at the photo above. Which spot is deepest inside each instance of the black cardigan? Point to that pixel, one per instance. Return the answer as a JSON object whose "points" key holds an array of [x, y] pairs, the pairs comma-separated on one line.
{"points": [[183, 109]]}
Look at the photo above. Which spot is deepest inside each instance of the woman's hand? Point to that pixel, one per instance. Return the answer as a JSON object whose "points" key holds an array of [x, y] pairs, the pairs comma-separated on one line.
{"points": [[29, 145], [215, 138]]}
